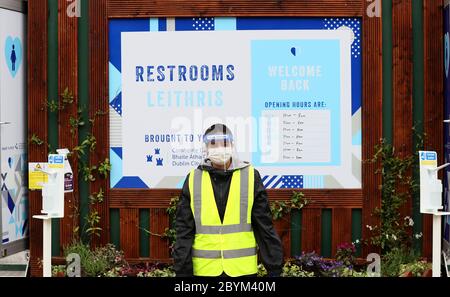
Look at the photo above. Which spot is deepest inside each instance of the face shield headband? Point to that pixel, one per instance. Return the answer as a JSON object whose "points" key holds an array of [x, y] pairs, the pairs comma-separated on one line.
{"points": [[212, 138]]}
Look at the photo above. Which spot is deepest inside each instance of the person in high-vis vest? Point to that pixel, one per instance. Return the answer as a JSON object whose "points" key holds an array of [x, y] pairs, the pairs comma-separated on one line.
{"points": [[223, 218]]}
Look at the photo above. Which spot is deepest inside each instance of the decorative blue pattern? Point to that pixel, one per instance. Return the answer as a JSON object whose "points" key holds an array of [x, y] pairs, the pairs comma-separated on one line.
{"points": [[118, 151], [131, 182], [283, 182], [117, 104], [25, 227], [194, 24], [292, 181], [354, 24], [116, 27], [201, 24], [11, 204]]}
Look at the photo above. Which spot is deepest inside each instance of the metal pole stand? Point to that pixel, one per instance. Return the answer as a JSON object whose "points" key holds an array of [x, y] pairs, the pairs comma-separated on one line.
{"points": [[437, 238], [47, 244]]}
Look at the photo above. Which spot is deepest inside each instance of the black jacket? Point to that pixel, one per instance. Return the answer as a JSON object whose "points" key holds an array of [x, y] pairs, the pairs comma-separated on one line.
{"points": [[270, 248]]}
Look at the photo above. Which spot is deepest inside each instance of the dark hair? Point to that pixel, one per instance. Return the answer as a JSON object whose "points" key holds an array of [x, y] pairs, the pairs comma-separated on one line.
{"points": [[218, 128]]}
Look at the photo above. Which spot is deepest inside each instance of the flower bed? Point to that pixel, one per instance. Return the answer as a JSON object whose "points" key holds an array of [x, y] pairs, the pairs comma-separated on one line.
{"points": [[107, 261]]}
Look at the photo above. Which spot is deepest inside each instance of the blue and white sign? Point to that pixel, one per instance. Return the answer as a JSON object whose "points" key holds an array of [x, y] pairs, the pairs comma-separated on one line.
{"points": [[289, 89], [428, 156], [55, 161], [13, 137]]}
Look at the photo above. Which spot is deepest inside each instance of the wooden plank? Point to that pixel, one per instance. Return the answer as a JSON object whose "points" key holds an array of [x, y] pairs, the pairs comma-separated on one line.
{"points": [[311, 230], [129, 232], [138, 260], [160, 198], [283, 229], [402, 76], [402, 86], [141, 260], [140, 198], [68, 78], [159, 221], [98, 102], [37, 116], [183, 8], [371, 119], [341, 227], [434, 97], [322, 198]]}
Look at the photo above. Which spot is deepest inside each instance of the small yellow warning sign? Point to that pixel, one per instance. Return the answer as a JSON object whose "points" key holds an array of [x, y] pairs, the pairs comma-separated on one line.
{"points": [[36, 178]]}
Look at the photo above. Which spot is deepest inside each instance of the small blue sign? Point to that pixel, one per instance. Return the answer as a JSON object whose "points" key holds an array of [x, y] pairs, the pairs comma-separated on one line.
{"points": [[55, 159], [431, 156], [58, 160]]}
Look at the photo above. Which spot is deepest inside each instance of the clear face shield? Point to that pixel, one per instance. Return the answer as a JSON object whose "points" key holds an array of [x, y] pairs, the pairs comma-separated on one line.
{"points": [[219, 150]]}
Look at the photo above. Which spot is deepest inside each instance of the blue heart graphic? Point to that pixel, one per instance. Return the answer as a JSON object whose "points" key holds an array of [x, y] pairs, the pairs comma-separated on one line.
{"points": [[13, 54]]}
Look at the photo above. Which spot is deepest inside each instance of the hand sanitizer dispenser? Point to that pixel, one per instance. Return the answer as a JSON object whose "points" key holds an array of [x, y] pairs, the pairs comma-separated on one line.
{"points": [[53, 190], [431, 201], [430, 185], [49, 195], [53, 202]]}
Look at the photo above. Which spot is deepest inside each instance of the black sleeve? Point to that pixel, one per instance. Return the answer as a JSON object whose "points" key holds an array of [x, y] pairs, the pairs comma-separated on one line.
{"points": [[270, 248], [185, 230]]}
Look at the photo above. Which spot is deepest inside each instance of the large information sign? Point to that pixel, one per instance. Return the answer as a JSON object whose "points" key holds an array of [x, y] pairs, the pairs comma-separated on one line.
{"points": [[291, 96]]}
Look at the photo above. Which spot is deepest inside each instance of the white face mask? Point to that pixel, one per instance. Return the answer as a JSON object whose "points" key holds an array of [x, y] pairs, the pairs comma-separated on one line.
{"points": [[220, 155]]}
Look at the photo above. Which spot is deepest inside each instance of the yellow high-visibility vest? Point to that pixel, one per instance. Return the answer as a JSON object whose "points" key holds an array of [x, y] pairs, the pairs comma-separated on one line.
{"points": [[230, 246]]}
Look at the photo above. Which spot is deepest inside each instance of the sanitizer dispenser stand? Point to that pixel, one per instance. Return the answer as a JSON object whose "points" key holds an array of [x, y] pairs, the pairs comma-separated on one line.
{"points": [[431, 201], [52, 205]]}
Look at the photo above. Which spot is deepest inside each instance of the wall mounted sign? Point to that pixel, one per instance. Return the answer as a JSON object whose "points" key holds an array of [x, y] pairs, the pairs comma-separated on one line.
{"points": [[288, 88]]}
